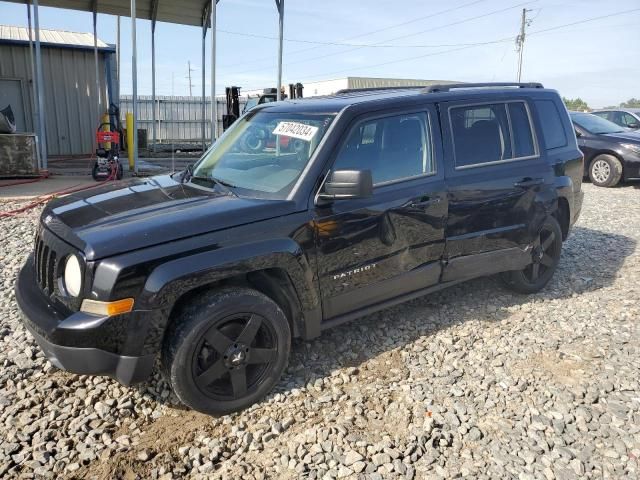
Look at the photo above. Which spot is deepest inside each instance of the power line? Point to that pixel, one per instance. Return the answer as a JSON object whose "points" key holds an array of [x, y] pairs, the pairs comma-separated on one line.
{"points": [[365, 34], [557, 27], [458, 22]]}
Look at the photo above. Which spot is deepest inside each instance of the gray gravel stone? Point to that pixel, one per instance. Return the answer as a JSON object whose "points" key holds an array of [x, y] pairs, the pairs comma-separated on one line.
{"points": [[473, 381]]}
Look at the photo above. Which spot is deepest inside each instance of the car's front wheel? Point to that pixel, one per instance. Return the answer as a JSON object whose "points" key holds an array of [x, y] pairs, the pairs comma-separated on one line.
{"points": [[605, 171], [226, 350], [545, 256]]}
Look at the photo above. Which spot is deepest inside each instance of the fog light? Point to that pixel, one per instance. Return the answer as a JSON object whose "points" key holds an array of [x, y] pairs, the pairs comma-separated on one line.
{"points": [[107, 308]]}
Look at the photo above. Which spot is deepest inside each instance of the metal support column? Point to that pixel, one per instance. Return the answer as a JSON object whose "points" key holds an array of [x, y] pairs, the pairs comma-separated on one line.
{"points": [[203, 127], [34, 89], [42, 134], [95, 56], [118, 58], [134, 86], [154, 14], [214, 103], [280, 6]]}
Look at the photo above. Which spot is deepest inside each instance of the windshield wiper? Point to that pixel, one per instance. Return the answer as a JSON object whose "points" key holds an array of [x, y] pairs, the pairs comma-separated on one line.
{"points": [[223, 182]]}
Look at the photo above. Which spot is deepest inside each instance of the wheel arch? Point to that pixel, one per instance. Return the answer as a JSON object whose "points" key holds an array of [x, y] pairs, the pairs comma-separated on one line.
{"points": [[274, 283], [277, 268]]}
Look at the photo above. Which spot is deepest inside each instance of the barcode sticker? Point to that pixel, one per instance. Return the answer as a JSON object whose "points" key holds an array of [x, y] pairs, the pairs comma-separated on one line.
{"points": [[296, 130]]}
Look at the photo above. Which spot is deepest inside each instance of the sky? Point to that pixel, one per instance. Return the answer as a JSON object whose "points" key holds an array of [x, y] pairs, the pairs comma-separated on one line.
{"points": [[465, 40]]}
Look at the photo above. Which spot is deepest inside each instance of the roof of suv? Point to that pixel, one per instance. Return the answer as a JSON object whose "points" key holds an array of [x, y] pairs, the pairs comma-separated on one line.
{"points": [[344, 98]]}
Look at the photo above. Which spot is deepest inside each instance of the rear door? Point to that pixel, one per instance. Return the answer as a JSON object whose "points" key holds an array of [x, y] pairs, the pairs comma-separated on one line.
{"points": [[495, 176], [373, 249]]}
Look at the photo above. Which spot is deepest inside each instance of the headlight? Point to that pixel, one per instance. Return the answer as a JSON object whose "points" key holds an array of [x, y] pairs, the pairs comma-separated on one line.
{"points": [[635, 148], [72, 276]]}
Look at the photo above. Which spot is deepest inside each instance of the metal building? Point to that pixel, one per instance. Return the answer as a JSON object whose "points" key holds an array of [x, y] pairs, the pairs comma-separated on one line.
{"points": [[328, 87], [72, 104]]}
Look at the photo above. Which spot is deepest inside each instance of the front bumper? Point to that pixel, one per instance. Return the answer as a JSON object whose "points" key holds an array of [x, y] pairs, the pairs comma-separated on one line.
{"points": [[66, 342]]}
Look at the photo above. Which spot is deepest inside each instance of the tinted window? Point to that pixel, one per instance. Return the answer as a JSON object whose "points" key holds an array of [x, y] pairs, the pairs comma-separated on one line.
{"points": [[391, 147], [481, 134], [521, 129], [594, 124], [552, 129], [629, 119]]}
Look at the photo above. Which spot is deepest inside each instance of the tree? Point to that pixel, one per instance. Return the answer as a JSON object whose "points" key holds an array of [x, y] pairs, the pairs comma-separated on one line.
{"points": [[631, 103], [576, 104]]}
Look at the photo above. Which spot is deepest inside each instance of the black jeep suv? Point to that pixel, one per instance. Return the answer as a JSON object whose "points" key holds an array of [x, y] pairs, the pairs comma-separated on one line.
{"points": [[303, 215]]}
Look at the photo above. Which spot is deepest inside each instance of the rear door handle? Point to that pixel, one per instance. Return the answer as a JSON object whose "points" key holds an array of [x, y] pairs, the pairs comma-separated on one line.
{"points": [[425, 202], [529, 182]]}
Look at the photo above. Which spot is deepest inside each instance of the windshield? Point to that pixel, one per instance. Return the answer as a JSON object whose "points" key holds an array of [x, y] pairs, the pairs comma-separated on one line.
{"points": [[263, 153], [594, 124]]}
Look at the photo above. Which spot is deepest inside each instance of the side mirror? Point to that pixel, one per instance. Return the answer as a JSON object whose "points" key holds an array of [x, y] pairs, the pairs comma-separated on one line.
{"points": [[633, 125], [343, 184], [578, 134]]}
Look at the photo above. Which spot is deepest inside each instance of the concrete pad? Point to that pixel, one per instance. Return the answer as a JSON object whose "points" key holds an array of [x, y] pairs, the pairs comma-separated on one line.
{"points": [[42, 187]]}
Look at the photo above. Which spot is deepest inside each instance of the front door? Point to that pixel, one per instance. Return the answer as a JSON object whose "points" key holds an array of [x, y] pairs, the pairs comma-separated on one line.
{"points": [[373, 249], [495, 173]]}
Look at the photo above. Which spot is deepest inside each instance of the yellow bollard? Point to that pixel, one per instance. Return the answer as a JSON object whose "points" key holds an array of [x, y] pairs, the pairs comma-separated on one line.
{"points": [[105, 128], [130, 140]]}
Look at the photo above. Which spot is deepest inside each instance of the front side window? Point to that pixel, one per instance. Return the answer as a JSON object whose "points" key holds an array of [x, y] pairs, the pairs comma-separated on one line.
{"points": [[393, 148], [263, 154]]}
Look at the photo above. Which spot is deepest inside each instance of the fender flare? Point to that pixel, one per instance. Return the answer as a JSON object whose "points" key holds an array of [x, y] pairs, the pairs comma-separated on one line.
{"points": [[172, 279]]}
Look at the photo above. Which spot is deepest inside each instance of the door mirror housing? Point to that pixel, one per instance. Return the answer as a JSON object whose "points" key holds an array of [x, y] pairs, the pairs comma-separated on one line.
{"points": [[578, 133], [633, 125], [343, 184]]}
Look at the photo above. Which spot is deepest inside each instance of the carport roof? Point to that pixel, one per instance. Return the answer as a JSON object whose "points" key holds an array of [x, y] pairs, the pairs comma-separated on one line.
{"points": [[183, 12]]}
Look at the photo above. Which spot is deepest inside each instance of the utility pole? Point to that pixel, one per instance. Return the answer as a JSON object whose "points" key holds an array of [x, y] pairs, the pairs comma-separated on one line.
{"points": [[520, 40], [189, 77]]}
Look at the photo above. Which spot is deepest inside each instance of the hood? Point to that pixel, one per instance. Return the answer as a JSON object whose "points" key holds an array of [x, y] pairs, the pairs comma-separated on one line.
{"points": [[124, 216], [631, 135]]}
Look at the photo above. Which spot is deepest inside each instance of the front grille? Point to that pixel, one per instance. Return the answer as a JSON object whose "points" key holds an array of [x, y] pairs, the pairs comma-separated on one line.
{"points": [[49, 255], [46, 265]]}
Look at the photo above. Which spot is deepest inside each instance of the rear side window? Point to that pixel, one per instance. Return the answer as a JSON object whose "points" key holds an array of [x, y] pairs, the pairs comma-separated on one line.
{"points": [[481, 134], [552, 129]]}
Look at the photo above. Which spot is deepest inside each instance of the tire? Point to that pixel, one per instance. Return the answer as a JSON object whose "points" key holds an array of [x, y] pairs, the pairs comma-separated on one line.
{"points": [[605, 171], [95, 173], [545, 256], [226, 350]]}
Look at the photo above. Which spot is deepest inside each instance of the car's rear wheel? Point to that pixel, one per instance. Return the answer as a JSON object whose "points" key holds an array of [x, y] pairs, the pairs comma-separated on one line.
{"points": [[605, 171], [545, 256], [225, 351]]}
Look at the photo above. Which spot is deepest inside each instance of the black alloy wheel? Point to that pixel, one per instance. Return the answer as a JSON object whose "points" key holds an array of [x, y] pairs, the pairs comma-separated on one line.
{"points": [[225, 349], [545, 256], [233, 356]]}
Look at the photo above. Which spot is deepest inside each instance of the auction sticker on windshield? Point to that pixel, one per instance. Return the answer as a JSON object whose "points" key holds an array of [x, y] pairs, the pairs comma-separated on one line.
{"points": [[296, 130]]}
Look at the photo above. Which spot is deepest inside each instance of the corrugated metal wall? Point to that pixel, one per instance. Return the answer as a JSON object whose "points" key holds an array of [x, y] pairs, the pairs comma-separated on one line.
{"points": [[70, 94], [178, 119]]}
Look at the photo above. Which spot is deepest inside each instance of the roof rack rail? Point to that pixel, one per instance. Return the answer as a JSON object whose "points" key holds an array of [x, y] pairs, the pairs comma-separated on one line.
{"points": [[449, 86], [375, 89]]}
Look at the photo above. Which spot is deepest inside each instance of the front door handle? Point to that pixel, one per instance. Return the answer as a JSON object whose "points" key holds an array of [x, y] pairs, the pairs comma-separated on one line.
{"points": [[529, 182], [423, 202]]}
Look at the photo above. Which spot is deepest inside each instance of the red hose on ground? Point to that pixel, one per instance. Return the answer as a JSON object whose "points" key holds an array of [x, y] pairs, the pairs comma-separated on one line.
{"points": [[45, 198]]}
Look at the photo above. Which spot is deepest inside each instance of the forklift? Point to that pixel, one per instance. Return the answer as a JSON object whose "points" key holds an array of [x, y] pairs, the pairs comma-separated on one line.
{"points": [[271, 95]]}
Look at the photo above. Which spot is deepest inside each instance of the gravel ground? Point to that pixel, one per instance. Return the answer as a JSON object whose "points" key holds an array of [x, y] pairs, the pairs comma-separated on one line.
{"points": [[471, 382]]}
